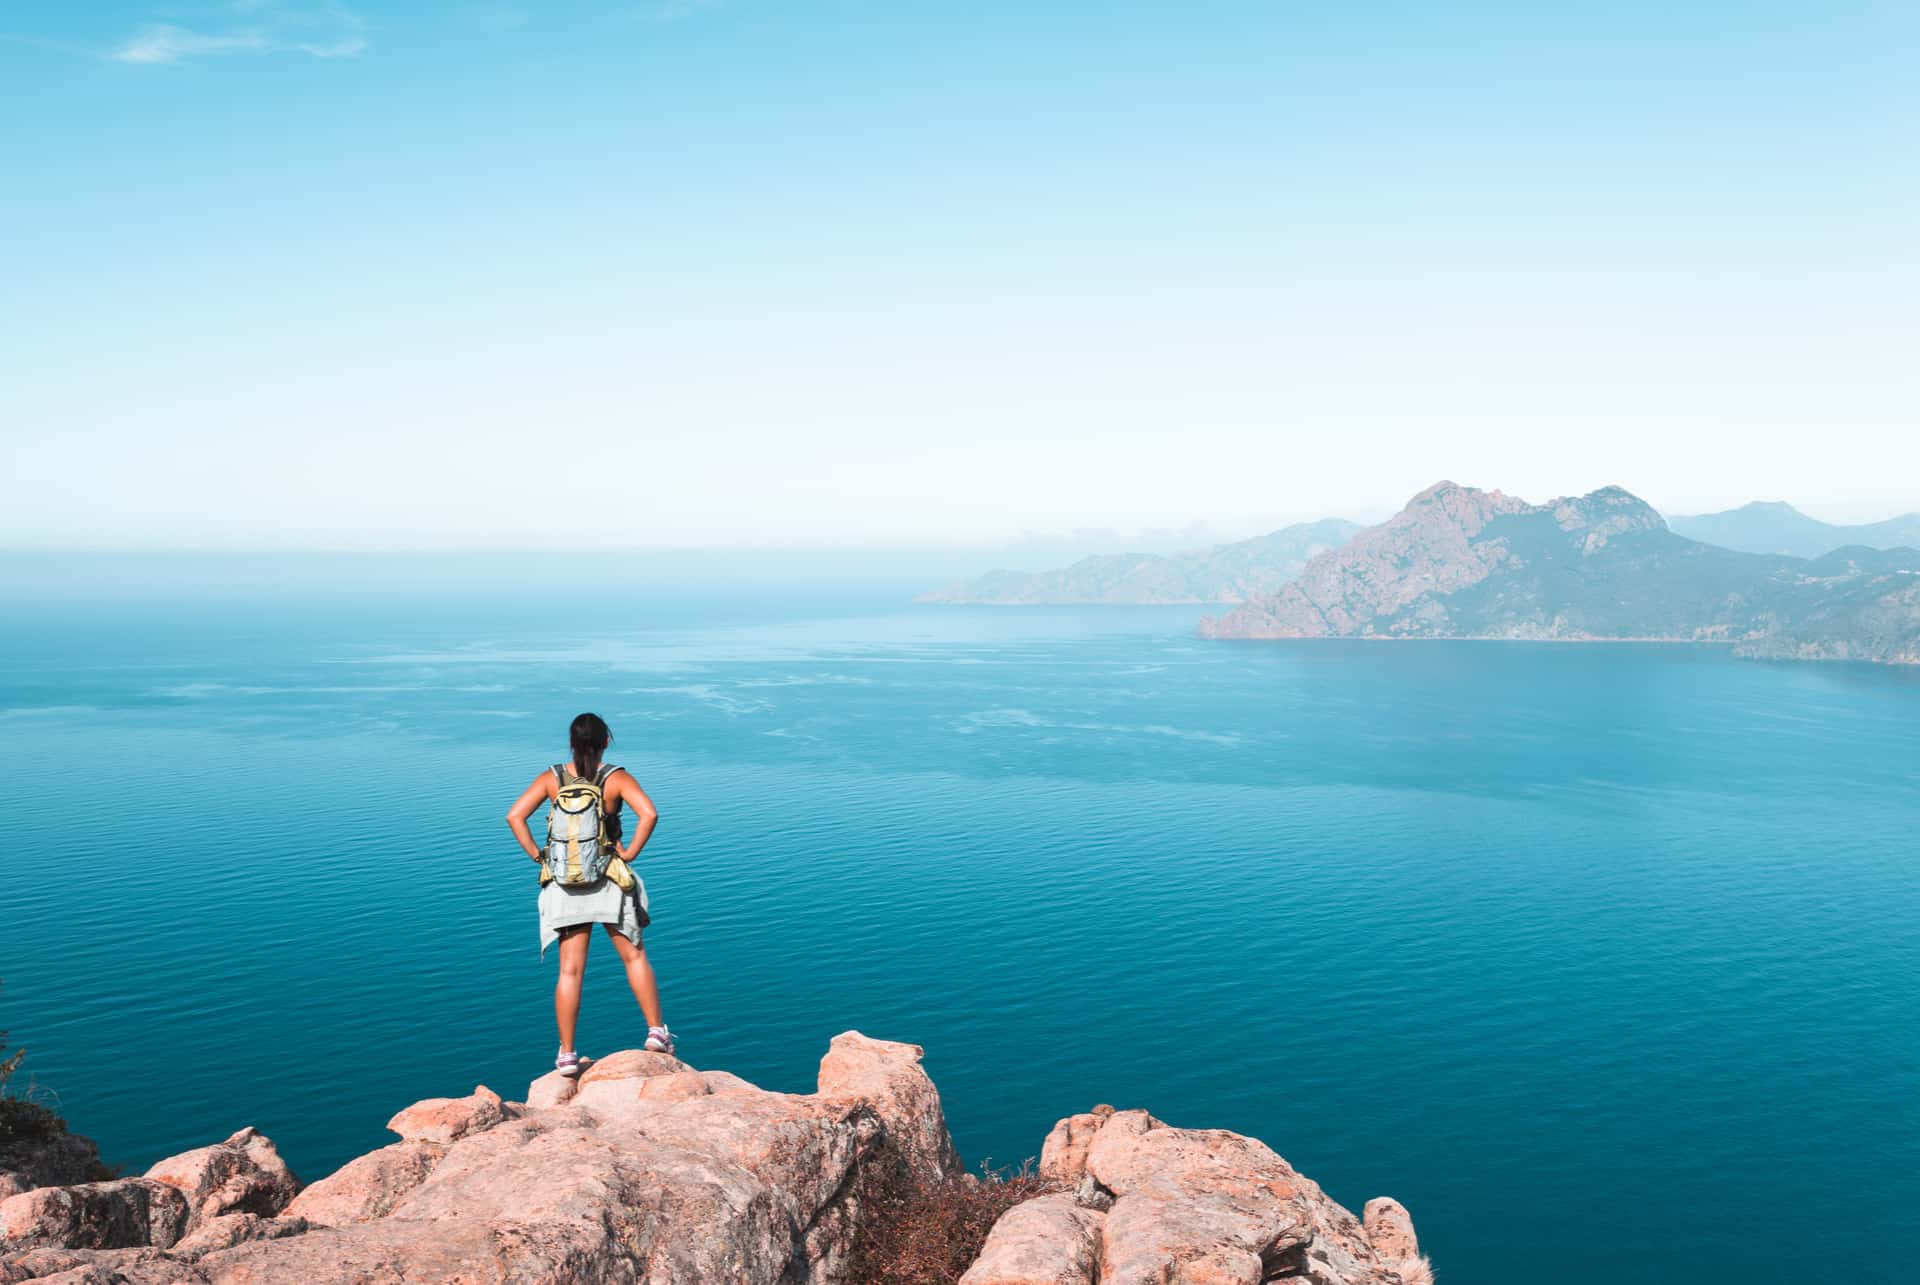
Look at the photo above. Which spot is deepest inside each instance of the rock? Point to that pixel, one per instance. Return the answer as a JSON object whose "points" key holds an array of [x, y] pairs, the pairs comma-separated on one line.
{"points": [[1207, 1205], [658, 1173], [614, 1096], [96, 1215], [1048, 1240], [64, 1160], [1091, 1195], [444, 1120], [367, 1187], [244, 1174], [652, 1172], [889, 1078], [1390, 1227], [722, 1082], [227, 1230], [383, 1252], [554, 1089], [1063, 1156], [97, 1267], [631, 1064], [551, 1090]]}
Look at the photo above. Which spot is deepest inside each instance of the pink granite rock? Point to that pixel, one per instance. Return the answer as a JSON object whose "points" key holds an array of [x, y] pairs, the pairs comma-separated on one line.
{"points": [[626, 1095], [889, 1078], [722, 1082], [244, 1174], [1390, 1227], [551, 1090], [368, 1186], [631, 1064], [1063, 1156], [227, 1230], [1205, 1205], [97, 1267], [95, 1215], [443, 1120], [1044, 1241]]}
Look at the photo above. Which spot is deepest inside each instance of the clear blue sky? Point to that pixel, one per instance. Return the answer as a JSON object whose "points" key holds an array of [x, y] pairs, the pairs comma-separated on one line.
{"points": [[841, 271]]}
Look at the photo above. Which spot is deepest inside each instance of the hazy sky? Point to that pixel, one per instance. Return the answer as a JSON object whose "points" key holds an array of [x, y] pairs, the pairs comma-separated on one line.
{"points": [[813, 271]]}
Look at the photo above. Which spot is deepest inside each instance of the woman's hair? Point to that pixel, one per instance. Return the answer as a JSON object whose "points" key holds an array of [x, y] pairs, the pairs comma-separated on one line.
{"points": [[589, 738]]}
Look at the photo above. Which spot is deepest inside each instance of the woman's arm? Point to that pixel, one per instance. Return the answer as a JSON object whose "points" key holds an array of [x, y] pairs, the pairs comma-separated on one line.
{"points": [[523, 807], [645, 815]]}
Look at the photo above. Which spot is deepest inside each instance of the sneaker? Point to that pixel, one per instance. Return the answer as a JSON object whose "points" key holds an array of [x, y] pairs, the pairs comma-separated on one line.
{"points": [[568, 1063], [659, 1040]]}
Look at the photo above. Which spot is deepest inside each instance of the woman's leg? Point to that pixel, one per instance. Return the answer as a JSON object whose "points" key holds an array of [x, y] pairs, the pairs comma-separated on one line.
{"points": [[639, 976], [566, 991]]}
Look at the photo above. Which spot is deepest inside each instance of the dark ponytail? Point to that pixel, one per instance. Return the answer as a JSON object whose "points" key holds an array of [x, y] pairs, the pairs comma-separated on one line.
{"points": [[588, 738]]}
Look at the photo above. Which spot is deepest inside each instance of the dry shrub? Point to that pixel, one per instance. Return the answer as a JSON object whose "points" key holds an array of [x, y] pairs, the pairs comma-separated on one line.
{"points": [[919, 1232]]}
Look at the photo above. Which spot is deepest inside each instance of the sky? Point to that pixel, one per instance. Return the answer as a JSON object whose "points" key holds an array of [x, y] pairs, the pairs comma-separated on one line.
{"points": [[800, 273]]}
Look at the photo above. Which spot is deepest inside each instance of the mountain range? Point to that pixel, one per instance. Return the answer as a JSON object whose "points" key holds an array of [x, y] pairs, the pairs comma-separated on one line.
{"points": [[1769, 526], [1459, 562], [1224, 573]]}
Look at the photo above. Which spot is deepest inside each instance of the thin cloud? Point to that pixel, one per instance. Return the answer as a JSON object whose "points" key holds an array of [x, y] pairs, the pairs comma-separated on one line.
{"points": [[330, 32], [500, 17], [674, 10]]}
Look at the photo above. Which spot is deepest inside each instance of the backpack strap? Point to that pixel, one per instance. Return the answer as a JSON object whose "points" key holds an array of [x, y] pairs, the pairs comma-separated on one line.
{"points": [[606, 771], [560, 773]]}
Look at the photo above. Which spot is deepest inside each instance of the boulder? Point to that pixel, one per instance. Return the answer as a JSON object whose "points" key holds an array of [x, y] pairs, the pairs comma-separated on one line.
{"points": [[227, 1230], [1048, 1240], [1205, 1205], [625, 1096], [651, 1172], [444, 1120], [1390, 1228], [96, 1215], [888, 1077], [551, 1090], [628, 1068], [1063, 1156], [244, 1174], [367, 1187], [631, 1064], [97, 1267]]}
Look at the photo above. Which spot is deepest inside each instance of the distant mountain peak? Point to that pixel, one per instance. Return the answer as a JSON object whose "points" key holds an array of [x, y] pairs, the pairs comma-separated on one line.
{"points": [[1605, 513], [1774, 526], [1459, 562]]}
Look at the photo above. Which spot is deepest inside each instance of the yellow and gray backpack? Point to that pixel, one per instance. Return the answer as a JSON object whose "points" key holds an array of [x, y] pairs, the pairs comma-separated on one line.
{"points": [[581, 838]]}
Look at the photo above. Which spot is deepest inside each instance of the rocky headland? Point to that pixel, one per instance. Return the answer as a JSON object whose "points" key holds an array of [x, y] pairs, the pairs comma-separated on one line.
{"points": [[1222, 573], [1459, 562], [648, 1170]]}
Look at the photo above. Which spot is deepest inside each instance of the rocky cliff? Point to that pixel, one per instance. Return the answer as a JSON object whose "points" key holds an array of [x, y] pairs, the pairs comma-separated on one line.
{"points": [[648, 1170], [1464, 563], [1224, 573]]}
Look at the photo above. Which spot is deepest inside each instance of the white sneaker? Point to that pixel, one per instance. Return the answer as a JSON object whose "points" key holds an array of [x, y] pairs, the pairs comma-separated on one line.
{"points": [[659, 1040]]}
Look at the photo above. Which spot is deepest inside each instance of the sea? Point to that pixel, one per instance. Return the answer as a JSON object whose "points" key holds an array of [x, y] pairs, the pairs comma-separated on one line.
{"points": [[1604, 959]]}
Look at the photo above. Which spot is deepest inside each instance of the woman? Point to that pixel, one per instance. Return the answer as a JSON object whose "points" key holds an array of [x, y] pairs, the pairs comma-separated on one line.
{"points": [[569, 913]]}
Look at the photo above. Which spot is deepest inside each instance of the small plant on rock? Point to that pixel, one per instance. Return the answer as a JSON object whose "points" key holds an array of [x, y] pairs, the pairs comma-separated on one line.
{"points": [[21, 1118], [915, 1231]]}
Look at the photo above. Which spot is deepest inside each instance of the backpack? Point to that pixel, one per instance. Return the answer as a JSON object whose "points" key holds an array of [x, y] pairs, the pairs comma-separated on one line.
{"points": [[580, 842]]}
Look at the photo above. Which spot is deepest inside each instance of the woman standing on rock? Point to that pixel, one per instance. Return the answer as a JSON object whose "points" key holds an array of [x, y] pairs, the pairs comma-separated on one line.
{"points": [[585, 879]]}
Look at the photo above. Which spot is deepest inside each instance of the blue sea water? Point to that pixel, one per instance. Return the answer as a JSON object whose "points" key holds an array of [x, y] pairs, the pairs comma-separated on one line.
{"points": [[1602, 958]]}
